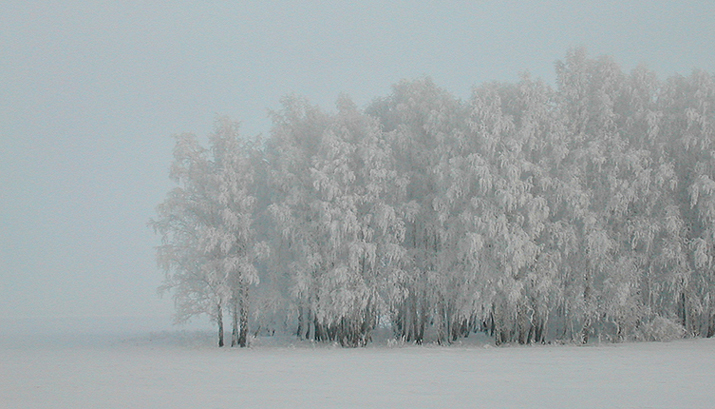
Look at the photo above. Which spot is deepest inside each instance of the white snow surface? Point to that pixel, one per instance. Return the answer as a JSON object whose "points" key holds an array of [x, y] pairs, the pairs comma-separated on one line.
{"points": [[185, 370]]}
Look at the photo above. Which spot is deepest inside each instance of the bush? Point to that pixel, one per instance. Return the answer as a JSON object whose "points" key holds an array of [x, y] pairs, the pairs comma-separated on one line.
{"points": [[662, 329]]}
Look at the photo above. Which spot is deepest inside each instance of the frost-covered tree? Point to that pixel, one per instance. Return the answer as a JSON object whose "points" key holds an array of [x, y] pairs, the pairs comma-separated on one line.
{"points": [[688, 121], [416, 118], [298, 244], [351, 176], [185, 219], [208, 248], [235, 242], [509, 211]]}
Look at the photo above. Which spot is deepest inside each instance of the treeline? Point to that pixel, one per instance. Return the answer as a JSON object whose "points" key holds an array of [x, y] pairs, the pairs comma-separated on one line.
{"points": [[530, 212]]}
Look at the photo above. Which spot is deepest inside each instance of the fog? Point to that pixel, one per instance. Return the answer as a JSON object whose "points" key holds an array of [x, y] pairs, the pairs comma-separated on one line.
{"points": [[91, 92]]}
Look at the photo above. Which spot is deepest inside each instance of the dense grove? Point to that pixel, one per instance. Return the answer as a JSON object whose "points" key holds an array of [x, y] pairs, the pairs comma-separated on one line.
{"points": [[534, 213]]}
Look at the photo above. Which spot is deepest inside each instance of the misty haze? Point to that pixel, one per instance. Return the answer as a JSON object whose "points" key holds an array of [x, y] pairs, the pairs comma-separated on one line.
{"points": [[357, 205]]}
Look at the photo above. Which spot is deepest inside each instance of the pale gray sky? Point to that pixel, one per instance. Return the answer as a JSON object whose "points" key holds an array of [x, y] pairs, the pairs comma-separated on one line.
{"points": [[90, 92]]}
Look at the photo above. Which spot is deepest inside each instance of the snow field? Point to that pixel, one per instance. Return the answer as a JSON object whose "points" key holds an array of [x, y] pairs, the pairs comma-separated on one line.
{"points": [[679, 374]]}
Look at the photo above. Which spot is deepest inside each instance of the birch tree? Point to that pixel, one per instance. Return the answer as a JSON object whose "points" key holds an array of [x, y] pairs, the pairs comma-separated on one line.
{"points": [[208, 249], [294, 143], [688, 121], [417, 117]]}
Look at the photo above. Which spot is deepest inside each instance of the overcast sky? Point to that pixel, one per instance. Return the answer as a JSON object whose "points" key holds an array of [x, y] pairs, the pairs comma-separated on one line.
{"points": [[91, 91]]}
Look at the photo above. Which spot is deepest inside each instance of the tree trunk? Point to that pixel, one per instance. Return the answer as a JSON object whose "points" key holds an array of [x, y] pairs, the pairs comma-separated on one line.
{"points": [[219, 320], [417, 322], [711, 326], [234, 319], [411, 309], [683, 311], [243, 334], [299, 332], [442, 331], [423, 322], [308, 321], [586, 328], [317, 329], [398, 322]]}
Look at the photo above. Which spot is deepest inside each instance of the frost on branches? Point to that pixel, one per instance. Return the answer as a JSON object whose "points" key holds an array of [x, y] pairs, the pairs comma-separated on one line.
{"points": [[528, 212]]}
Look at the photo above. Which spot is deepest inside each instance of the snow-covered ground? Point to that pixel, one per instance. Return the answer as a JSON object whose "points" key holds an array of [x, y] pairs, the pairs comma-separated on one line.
{"points": [[185, 370]]}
